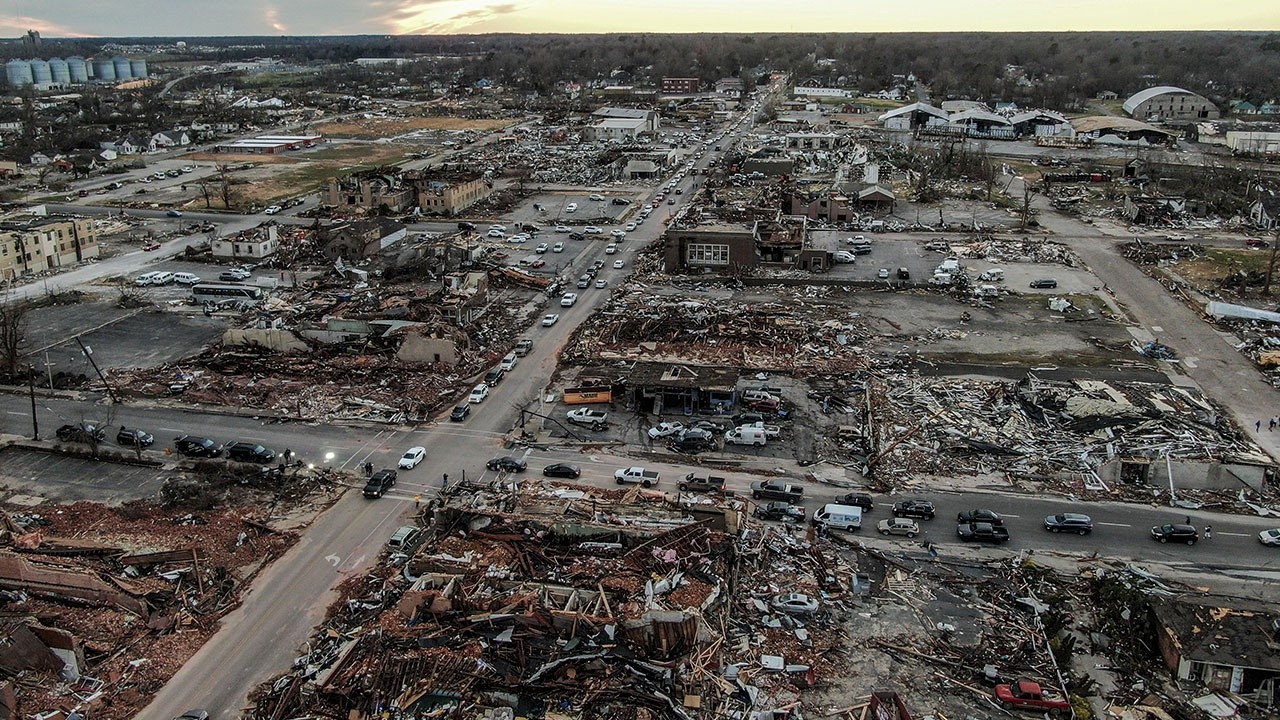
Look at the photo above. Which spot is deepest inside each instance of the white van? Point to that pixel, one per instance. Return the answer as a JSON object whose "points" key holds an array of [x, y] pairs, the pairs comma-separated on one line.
{"points": [[746, 435], [840, 517], [509, 362], [162, 278], [950, 265]]}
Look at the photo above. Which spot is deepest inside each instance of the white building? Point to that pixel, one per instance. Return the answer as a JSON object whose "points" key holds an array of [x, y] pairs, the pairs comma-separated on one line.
{"points": [[256, 243], [821, 92], [649, 118]]}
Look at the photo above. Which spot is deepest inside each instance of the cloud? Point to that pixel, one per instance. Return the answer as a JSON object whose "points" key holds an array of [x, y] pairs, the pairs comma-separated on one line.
{"points": [[272, 17], [413, 17], [20, 24]]}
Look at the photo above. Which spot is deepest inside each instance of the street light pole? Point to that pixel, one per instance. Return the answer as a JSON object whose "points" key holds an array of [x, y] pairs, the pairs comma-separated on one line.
{"points": [[31, 389]]}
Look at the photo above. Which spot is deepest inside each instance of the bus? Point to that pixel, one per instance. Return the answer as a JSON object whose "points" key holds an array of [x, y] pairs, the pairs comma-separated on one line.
{"points": [[217, 294]]}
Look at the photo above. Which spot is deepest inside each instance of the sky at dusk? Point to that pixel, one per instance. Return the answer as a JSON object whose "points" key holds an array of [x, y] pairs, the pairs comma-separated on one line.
{"points": [[187, 18]]}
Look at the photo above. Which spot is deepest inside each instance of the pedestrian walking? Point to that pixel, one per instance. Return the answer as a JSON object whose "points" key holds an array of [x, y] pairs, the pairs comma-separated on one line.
{"points": [[1188, 519], [1208, 532], [417, 500], [1258, 425], [368, 468], [1271, 425], [444, 481]]}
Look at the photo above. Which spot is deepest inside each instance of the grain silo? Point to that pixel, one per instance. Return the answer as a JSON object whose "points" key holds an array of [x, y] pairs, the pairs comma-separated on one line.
{"points": [[18, 72], [104, 70], [138, 69], [78, 68], [40, 74], [122, 67], [60, 72]]}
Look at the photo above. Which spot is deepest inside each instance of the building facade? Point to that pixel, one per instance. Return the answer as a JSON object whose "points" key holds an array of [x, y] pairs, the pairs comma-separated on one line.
{"points": [[451, 194], [45, 243], [1165, 103], [254, 243], [369, 191], [681, 85]]}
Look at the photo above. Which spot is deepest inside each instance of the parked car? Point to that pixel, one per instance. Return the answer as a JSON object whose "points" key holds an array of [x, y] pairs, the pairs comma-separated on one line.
{"points": [[776, 490], [523, 347], [563, 229], [81, 432], [133, 437], [1077, 523], [464, 225], [982, 532], [563, 470], [494, 376], [174, 213], [620, 201], [244, 451], [379, 483], [549, 319], [1044, 283], [1028, 695], [637, 475], [272, 209], [412, 457], [496, 234], [1175, 532], [663, 429], [883, 273], [404, 539], [701, 482], [981, 516], [1256, 243], [858, 500], [193, 446], [795, 604], [144, 279], [234, 274], [508, 463], [194, 714], [542, 248], [571, 208], [460, 412], [478, 393], [588, 416], [596, 197], [899, 526], [186, 278], [1270, 538], [780, 510]]}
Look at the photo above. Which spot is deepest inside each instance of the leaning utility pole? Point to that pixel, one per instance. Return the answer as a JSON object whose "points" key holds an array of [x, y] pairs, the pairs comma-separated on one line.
{"points": [[31, 389], [88, 352]]}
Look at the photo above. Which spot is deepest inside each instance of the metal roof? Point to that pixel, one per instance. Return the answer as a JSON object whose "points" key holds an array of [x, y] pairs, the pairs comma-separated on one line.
{"points": [[1144, 95]]}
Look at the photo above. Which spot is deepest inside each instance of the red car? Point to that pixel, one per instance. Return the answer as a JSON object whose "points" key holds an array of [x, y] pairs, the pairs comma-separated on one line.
{"points": [[151, 246], [1256, 243]]}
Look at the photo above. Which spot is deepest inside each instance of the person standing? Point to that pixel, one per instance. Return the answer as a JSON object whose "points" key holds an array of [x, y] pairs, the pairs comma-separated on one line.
{"points": [[1258, 425], [1208, 532]]}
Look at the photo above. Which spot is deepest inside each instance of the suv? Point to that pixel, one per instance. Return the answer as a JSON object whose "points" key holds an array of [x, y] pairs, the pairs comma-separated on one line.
{"points": [[193, 446], [133, 437], [494, 376], [858, 500], [244, 451], [507, 464], [780, 510], [922, 509], [404, 539], [1175, 532], [379, 483], [1044, 283], [1077, 523]]}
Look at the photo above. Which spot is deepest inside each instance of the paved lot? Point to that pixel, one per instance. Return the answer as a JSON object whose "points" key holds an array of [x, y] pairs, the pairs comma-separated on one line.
{"points": [[59, 478]]}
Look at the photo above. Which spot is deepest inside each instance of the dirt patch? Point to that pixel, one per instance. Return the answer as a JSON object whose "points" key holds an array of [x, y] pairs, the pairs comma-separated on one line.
{"points": [[372, 128], [276, 177]]}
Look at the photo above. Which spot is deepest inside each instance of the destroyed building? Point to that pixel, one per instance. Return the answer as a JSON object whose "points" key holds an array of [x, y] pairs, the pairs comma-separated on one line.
{"points": [[449, 192], [1221, 643], [738, 248], [382, 188], [35, 244], [252, 244], [359, 239]]}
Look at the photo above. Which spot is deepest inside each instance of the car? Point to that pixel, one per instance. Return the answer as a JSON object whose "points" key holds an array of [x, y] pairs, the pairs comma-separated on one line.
{"points": [[883, 273], [584, 282], [496, 234], [618, 233], [464, 225], [619, 264], [858, 500], [1044, 283], [780, 510], [245, 451], [571, 208], [412, 457], [690, 444], [549, 319], [1077, 523], [557, 248], [563, 229], [899, 526], [542, 248], [494, 376], [1175, 532], [596, 197], [234, 274], [671, 201], [679, 191], [460, 412], [982, 532], [844, 257], [518, 239], [174, 213], [629, 227], [404, 539], [379, 483], [904, 274], [592, 230], [921, 509], [81, 432], [568, 299], [601, 282], [794, 604], [502, 228], [663, 429], [478, 393], [1256, 243], [577, 236], [620, 201], [1270, 538], [980, 516], [564, 470], [188, 168], [186, 278], [611, 249], [144, 279], [194, 446], [747, 418], [134, 437], [508, 463], [273, 209], [194, 714]]}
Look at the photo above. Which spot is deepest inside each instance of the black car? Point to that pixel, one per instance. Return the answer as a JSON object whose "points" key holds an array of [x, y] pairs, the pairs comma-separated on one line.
{"points": [[494, 376], [379, 483], [1077, 523], [1044, 283], [691, 445], [244, 451], [577, 236], [466, 226], [858, 500], [564, 470], [746, 418], [229, 276], [193, 446], [84, 432], [921, 509], [460, 412], [1175, 532], [780, 510], [982, 532], [507, 464], [990, 517], [620, 201], [133, 437]]}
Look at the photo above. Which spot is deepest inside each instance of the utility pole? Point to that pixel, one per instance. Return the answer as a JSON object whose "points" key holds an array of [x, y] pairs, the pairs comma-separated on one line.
{"points": [[48, 366], [88, 352], [31, 389]]}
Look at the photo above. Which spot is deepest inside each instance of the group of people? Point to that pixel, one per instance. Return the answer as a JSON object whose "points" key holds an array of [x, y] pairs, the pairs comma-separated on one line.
{"points": [[1208, 529]]}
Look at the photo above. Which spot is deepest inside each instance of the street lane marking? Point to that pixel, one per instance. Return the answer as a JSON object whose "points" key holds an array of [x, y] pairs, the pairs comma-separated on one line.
{"points": [[1114, 524], [1231, 534]]}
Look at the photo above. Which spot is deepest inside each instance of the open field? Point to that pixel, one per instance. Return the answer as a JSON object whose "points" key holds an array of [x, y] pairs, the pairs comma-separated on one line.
{"points": [[285, 176], [373, 128]]}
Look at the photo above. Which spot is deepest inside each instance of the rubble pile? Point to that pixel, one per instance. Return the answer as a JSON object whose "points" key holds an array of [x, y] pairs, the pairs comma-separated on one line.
{"points": [[1146, 253], [1026, 250], [1039, 429], [801, 337], [124, 596]]}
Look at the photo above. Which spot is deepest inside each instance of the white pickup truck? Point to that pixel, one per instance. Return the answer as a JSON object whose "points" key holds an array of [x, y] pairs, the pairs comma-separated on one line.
{"points": [[770, 431], [587, 416], [646, 478]]}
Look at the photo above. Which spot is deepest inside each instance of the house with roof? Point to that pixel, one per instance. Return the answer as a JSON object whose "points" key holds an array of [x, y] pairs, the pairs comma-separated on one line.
{"points": [[1221, 643], [170, 138], [982, 123], [1264, 214], [1165, 102], [660, 387], [915, 115], [649, 119], [1243, 107], [1111, 130], [1041, 123]]}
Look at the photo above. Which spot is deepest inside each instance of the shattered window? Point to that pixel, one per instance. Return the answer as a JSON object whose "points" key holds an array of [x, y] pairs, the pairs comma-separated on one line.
{"points": [[703, 254]]}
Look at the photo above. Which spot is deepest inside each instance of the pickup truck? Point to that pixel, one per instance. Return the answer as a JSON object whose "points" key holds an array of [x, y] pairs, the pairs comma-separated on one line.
{"points": [[701, 482], [587, 416], [647, 478], [770, 431], [774, 490], [982, 532], [1028, 695], [523, 347]]}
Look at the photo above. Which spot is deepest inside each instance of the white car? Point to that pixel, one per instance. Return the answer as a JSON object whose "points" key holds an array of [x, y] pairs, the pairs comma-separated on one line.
{"points": [[795, 604], [503, 228], [145, 279], [496, 233], [549, 319], [611, 248], [601, 282], [186, 278], [478, 393], [412, 457], [542, 248], [571, 207], [273, 209], [1270, 538], [563, 229], [618, 233], [844, 256], [664, 429], [592, 230], [568, 299], [618, 264], [517, 239], [631, 226], [558, 247], [882, 273], [596, 198]]}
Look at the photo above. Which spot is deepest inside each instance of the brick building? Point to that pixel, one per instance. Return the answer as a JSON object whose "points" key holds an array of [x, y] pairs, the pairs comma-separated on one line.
{"points": [[681, 85], [41, 243]]}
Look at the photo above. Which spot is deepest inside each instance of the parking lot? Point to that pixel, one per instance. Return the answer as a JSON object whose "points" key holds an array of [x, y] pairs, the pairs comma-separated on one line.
{"points": [[61, 478]]}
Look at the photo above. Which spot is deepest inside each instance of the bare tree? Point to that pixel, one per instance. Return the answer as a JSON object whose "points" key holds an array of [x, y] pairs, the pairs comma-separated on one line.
{"points": [[1028, 192], [13, 327], [203, 184], [224, 185]]}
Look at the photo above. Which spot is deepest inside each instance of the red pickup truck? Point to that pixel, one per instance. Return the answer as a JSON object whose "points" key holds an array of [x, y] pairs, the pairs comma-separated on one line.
{"points": [[1028, 695]]}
